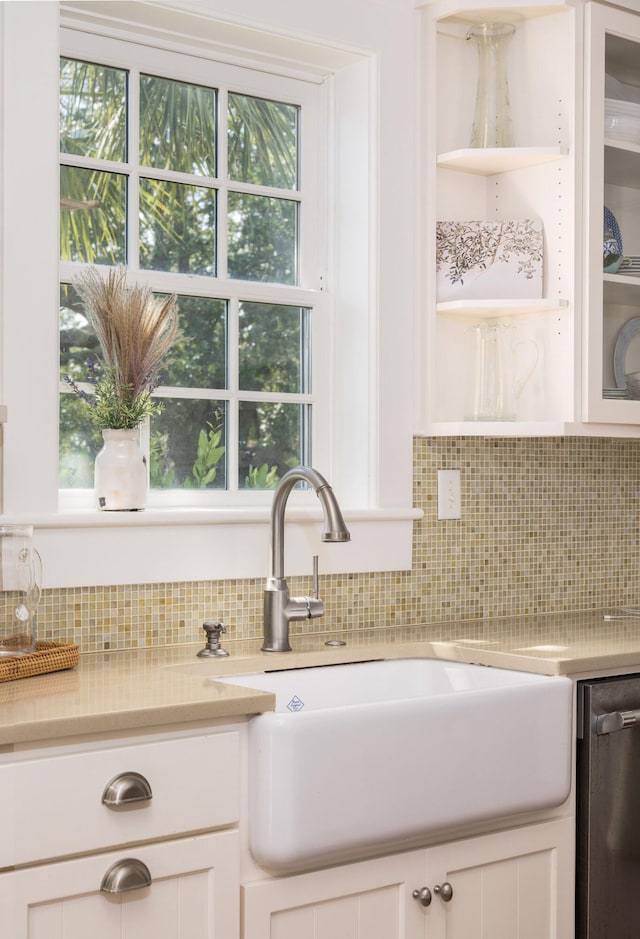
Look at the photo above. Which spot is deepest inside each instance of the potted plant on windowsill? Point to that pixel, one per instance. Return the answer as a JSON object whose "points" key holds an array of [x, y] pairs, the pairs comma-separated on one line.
{"points": [[135, 330]]}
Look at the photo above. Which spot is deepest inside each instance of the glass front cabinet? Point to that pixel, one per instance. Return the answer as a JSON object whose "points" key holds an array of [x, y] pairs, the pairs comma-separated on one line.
{"points": [[611, 390], [532, 167]]}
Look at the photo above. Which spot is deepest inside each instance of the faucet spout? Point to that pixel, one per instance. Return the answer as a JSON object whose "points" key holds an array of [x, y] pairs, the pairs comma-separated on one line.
{"points": [[279, 608], [335, 529]]}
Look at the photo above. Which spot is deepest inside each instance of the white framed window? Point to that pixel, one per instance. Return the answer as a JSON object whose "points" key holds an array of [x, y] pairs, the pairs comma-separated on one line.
{"points": [[362, 442], [205, 180]]}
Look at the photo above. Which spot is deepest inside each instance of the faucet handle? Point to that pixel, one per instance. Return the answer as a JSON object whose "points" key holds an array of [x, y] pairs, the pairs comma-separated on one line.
{"points": [[315, 606]]}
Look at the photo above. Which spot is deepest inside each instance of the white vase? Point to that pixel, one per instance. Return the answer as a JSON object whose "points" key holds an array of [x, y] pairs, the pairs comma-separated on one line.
{"points": [[121, 479]]}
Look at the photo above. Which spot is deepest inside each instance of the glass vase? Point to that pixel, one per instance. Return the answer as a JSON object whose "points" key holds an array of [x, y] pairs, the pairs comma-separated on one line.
{"points": [[120, 476], [492, 125]]}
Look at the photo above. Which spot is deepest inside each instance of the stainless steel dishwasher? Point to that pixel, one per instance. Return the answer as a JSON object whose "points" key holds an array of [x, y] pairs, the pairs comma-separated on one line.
{"points": [[608, 809]]}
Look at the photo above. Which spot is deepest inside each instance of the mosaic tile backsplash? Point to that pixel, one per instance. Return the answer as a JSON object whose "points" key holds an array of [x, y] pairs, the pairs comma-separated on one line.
{"points": [[548, 525]]}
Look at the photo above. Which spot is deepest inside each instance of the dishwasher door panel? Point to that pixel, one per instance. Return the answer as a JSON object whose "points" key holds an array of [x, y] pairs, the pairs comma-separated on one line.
{"points": [[608, 809]]}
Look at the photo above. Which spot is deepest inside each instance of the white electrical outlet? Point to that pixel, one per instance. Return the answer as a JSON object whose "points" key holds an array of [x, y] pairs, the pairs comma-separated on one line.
{"points": [[449, 494]]}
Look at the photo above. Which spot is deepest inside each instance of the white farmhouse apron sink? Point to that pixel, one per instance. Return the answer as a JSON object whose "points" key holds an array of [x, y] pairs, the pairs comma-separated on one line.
{"points": [[360, 756]]}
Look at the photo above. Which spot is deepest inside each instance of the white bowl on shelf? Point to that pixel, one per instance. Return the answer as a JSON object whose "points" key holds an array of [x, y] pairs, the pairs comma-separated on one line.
{"points": [[622, 120]]}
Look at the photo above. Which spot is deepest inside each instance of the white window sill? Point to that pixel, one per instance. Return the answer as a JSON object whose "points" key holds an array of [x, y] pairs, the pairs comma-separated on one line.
{"points": [[92, 548]]}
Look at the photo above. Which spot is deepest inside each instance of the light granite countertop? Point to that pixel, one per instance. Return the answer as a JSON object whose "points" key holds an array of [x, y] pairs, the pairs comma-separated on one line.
{"points": [[137, 689]]}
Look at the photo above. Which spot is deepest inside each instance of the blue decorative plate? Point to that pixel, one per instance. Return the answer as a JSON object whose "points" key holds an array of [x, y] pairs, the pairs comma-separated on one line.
{"points": [[612, 243]]}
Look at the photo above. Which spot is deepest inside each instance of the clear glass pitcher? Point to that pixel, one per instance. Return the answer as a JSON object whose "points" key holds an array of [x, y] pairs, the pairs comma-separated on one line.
{"points": [[20, 580], [502, 366]]}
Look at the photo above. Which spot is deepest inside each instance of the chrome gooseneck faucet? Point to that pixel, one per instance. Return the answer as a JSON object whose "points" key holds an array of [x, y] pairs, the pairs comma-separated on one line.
{"points": [[279, 608]]}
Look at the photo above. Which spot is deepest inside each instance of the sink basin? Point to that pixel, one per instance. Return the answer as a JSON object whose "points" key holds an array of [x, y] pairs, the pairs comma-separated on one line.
{"points": [[357, 757]]}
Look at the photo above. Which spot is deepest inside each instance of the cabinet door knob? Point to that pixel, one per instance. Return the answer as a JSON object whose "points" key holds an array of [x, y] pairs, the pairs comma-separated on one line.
{"points": [[445, 891], [423, 895], [126, 788], [125, 875]]}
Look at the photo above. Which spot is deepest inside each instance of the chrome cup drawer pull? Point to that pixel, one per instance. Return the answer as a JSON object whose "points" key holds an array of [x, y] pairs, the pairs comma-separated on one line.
{"points": [[125, 789], [125, 875]]}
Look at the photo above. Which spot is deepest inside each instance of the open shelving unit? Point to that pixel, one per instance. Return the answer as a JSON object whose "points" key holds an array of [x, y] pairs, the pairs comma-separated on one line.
{"points": [[533, 180]]}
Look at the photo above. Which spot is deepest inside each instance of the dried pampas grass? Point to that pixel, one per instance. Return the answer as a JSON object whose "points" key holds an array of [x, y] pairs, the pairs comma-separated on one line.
{"points": [[134, 328]]}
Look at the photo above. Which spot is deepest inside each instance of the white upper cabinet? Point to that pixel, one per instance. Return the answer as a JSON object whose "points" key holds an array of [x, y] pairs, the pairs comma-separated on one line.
{"points": [[612, 215], [503, 274]]}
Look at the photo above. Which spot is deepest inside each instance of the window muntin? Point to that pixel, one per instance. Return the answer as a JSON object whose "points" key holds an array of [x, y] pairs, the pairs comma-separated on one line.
{"points": [[243, 226]]}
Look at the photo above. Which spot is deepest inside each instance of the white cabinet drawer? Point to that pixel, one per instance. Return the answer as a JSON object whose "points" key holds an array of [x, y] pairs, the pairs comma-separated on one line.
{"points": [[53, 806]]}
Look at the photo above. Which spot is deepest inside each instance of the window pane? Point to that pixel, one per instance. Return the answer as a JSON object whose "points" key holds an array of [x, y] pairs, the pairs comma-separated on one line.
{"points": [[274, 348], [92, 216], [79, 439], [93, 110], [177, 227], [198, 359], [78, 343], [273, 439], [188, 445], [177, 126], [79, 444], [262, 238], [262, 142]]}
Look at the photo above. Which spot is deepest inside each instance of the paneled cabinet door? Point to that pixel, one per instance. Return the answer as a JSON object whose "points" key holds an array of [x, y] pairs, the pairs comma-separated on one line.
{"points": [[369, 899], [193, 895], [511, 885]]}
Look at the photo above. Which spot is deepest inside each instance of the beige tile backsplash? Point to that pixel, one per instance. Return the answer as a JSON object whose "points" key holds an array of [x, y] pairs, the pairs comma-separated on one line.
{"points": [[548, 525]]}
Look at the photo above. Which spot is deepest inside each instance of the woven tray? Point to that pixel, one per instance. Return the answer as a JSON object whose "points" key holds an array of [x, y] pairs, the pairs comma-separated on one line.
{"points": [[48, 657]]}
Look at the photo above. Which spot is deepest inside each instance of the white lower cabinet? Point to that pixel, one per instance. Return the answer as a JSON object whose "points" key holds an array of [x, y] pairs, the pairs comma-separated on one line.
{"points": [[192, 895], [516, 884], [368, 898], [127, 839], [161, 817]]}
